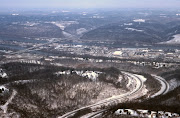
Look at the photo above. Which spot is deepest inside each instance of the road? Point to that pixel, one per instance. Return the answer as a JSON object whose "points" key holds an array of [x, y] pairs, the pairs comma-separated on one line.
{"points": [[164, 89], [34, 47], [28, 49], [5, 106], [14, 93], [164, 86], [139, 86]]}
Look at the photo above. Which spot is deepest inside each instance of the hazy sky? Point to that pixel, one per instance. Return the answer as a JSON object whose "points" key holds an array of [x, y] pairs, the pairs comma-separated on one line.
{"points": [[89, 3]]}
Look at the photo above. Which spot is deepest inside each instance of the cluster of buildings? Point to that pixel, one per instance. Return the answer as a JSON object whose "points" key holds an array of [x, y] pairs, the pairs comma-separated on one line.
{"points": [[146, 113], [128, 53], [124, 53], [146, 53], [81, 49], [131, 55]]}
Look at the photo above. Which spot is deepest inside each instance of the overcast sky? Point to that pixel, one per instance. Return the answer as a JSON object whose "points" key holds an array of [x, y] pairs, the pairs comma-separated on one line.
{"points": [[89, 3]]}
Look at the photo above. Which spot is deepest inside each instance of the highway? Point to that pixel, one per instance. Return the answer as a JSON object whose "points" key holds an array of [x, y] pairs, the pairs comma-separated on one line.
{"points": [[139, 86], [164, 89], [164, 86], [26, 50], [34, 47]]}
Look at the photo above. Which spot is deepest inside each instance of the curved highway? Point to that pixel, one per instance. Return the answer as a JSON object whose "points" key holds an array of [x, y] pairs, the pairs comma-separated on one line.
{"points": [[164, 89], [139, 86], [164, 86]]}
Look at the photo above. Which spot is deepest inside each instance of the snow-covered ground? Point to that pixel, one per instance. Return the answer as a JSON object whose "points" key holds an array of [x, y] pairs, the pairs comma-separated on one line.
{"points": [[132, 29], [173, 83], [117, 53], [23, 81], [62, 25], [3, 89], [15, 14], [139, 20], [30, 24], [5, 106], [143, 79], [3, 74], [93, 75], [81, 31], [128, 24], [67, 34], [65, 11], [175, 40]]}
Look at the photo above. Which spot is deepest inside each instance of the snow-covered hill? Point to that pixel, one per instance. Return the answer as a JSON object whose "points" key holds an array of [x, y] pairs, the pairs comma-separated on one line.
{"points": [[175, 40]]}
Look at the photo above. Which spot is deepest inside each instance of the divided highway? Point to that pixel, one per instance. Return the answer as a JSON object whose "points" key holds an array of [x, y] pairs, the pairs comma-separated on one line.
{"points": [[164, 89], [139, 86]]}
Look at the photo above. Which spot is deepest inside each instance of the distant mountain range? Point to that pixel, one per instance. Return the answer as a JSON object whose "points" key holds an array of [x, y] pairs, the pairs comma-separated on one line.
{"points": [[33, 30], [118, 27], [142, 32]]}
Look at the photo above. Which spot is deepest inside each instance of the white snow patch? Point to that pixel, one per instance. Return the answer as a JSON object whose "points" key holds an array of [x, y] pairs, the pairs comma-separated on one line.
{"points": [[3, 88], [63, 73], [63, 24], [163, 16], [67, 34], [81, 31], [175, 40], [143, 79], [54, 12], [139, 20], [15, 14], [130, 81], [117, 53], [128, 23], [93, 75], [97, 16], [64, 11], [3, 74], [56, 64], [132, 29], [30, 24]]}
